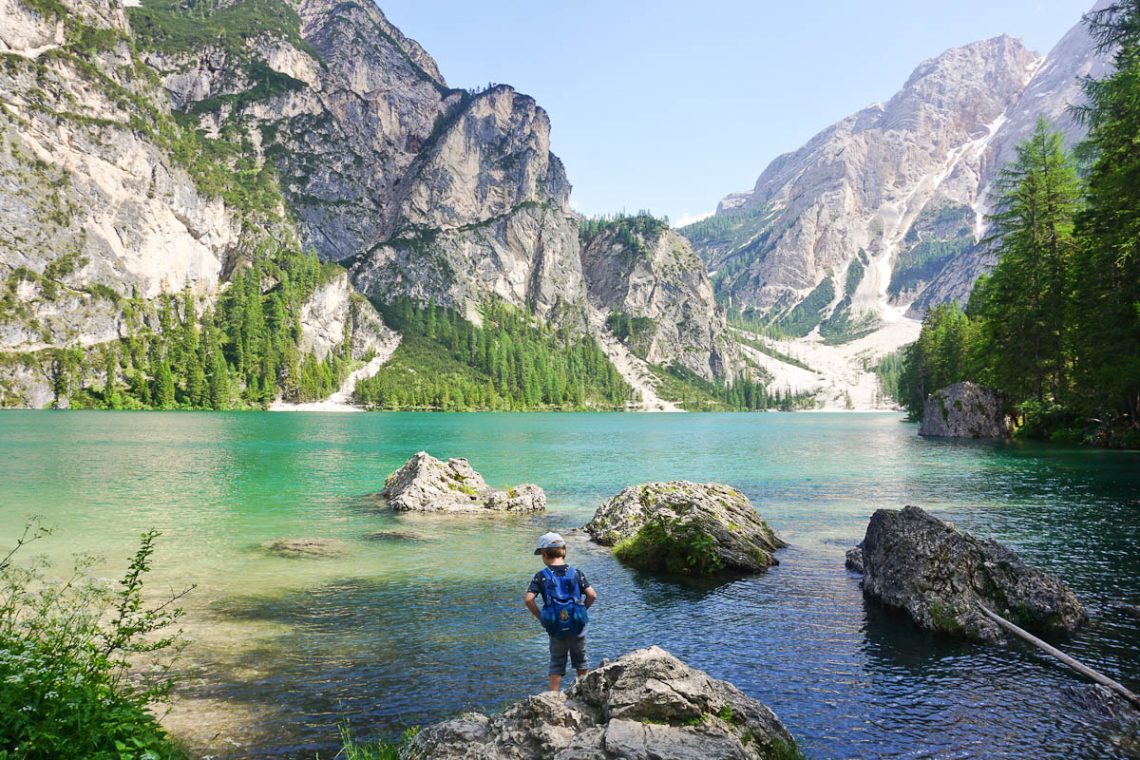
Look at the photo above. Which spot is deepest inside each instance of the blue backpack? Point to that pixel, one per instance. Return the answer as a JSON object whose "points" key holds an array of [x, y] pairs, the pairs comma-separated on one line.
{"points": [[563, 613]]}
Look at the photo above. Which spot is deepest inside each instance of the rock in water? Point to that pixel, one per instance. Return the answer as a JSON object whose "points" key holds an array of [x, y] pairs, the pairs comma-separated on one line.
{"points": [[939, 575], [965, 410], [425, 484], [647, 704], [306, 547], [686, 528]]}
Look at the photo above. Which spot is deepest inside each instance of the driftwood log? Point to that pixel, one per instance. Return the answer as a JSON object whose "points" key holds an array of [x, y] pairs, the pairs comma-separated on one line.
{"points": [[1075, 665]]}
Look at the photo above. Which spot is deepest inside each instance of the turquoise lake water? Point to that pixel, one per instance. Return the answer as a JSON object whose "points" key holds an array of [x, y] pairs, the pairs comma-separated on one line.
{"points": [[401, 632]]}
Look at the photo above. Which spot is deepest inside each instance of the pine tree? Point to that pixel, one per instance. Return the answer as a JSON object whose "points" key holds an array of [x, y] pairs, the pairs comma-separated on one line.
{"points": [[1024, 302], [1107, 299], [110, 397]]}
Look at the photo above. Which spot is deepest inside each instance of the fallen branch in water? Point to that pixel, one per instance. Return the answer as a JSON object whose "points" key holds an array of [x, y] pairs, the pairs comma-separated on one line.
{"points": [[1082, 669]]}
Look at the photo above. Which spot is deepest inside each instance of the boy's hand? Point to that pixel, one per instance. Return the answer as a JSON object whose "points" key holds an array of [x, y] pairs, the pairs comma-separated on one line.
{"points": [[532, 606]]}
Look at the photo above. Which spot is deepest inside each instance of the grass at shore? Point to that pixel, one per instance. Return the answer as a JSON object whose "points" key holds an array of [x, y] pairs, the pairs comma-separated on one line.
{"points": [[381, 749]]}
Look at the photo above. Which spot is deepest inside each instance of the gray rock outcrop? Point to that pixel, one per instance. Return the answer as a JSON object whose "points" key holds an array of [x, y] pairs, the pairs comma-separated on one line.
{"points": [[1054, 89], [423, 190], [93, 208], [646, 704], [965, 410], [939, 575], [686, 528], [426, 484]]}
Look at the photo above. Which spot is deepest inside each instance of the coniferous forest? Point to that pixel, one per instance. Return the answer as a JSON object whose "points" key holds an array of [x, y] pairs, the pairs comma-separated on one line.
{"points": [[244, 354], [511, 362], [1056, 325]]}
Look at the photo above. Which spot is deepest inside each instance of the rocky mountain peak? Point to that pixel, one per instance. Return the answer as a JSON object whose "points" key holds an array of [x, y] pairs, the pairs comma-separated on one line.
{"points": [[317, 15], [963, 89]]}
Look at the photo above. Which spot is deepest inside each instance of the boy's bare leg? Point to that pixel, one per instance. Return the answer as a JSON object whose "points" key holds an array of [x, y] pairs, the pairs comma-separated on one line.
{"points": [[556, 683]]}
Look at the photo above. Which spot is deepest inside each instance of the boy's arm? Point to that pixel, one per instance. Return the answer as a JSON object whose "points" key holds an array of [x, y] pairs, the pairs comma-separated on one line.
{"points": [[531, 605], [591, 596]]}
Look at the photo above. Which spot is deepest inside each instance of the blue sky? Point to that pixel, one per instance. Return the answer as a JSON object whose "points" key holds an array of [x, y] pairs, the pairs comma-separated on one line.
{"points": [[670, 105]]}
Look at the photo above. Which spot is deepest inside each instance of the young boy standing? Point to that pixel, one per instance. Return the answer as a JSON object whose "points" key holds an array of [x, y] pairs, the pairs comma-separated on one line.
{"points": [[553, 551]]}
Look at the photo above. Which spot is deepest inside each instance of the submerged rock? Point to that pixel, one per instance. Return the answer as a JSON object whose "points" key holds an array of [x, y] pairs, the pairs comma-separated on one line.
{"points": [[306, 547], [685, 528], [938, 574], [398, 536], [965, 410], [425, 484], [647, 704], [1111, 712]]}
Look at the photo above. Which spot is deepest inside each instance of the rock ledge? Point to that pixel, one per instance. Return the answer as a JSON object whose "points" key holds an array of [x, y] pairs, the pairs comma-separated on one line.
{"points": [[938, 575], [687, 528], [647, 704], [425, 484]]}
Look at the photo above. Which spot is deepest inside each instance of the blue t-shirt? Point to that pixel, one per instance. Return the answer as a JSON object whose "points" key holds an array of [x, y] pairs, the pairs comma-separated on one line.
{"points": [[538, 582]]}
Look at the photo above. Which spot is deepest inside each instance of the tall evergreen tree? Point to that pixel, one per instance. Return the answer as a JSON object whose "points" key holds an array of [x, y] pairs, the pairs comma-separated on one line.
{"points": [[1107, 300], [1025, 300]]}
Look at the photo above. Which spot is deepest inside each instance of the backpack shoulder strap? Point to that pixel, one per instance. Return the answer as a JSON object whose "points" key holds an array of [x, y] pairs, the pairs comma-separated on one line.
{"points": [[572, 574]]}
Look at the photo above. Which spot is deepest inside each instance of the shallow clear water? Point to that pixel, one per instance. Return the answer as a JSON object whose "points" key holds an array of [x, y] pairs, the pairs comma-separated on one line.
{"points": [[401, 632]]}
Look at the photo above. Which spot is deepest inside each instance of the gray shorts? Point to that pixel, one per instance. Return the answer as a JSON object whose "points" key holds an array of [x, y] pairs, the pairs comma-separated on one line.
{"points": [[574, 646]]}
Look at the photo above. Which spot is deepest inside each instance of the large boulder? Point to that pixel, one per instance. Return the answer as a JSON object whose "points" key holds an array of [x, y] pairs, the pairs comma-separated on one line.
{"points": [[939, 575], [647, 704], [425, 484], [965, 410], [685, 528]]}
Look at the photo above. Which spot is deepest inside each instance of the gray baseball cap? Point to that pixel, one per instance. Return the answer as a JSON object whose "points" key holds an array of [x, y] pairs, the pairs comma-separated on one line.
{"points": [[549, 541]]}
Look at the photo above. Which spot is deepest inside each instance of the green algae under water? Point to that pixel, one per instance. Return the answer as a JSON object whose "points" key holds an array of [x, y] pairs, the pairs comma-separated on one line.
{"points": [[421, 618]]}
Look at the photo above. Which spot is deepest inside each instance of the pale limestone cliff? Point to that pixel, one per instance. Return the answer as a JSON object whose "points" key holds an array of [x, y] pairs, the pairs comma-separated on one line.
{"points": [[93, 211]]}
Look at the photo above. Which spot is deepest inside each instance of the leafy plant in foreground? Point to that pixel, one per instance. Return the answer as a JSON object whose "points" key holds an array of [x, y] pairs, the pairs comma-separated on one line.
{"points": [[82, 660]]}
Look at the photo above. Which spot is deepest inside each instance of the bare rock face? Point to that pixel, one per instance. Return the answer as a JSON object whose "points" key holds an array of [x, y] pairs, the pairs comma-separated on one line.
{"points": [[965, 410], [939, 575], [336, 313], [425, 484], [1056, 87], [641, 270], [686, 528], [484, 210], [646, 704], [93, 210], [425, 191]]}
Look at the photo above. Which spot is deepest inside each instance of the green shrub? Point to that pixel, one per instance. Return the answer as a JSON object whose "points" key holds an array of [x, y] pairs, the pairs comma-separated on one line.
{"points": [[67, 647]]}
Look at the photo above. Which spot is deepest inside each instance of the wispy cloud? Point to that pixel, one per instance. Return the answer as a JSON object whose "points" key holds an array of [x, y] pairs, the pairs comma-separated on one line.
{"points": [[690, 218]]}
